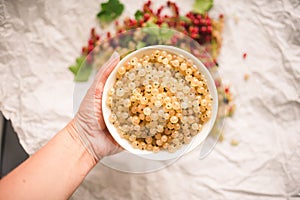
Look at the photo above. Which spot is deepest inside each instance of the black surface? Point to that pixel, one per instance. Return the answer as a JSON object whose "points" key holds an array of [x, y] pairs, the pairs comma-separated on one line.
{"points": [[12, 153]]}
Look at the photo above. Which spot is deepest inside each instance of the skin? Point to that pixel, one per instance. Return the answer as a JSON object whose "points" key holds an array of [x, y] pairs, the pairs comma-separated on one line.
{"points": [[54, 172], [58, 168]]}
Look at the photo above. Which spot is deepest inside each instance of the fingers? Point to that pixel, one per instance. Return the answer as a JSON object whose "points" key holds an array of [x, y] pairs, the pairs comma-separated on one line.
{"points": [[108, 66], [108, 70], [104, 72], [99, 90], [101, 122], [102, 77]]}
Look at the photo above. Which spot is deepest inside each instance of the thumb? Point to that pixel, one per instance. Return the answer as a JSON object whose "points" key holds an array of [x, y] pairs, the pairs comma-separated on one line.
{"points": [[103, 74], [107, 67]]}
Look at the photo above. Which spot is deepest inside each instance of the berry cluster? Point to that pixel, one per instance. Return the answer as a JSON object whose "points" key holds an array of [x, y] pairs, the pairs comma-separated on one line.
{"points": [[92, 43], [203, 29], [200, 27], [159, 101], [197, 26]]}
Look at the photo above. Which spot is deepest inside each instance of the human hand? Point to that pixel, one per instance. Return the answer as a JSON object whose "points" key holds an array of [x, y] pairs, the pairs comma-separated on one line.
{"points": [[88, 124]]}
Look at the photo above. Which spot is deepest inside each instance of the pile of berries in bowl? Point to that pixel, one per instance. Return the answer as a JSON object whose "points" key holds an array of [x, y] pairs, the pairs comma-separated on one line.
{"points": [[160, 102]]}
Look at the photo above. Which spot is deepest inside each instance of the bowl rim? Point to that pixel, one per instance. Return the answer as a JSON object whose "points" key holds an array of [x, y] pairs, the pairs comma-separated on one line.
{"points": [[196, 140]]}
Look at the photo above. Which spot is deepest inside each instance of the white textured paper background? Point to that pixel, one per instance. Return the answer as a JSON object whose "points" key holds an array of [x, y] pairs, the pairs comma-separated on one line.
{"points": [[40, 39]]}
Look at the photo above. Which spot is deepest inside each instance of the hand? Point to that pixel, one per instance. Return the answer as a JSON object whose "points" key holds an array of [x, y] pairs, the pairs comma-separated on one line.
{"points": [[88, 124]]}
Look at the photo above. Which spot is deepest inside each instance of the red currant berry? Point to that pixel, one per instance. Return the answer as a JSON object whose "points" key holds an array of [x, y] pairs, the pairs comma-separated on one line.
{"points": [[91, 41], [108, 35], [93, 31], [146, 16], [209, 29], [90, 48], [83, 50]]}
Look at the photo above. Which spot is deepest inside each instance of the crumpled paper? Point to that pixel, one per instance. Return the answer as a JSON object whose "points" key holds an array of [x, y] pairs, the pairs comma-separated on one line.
{"points": [[40, 39]]}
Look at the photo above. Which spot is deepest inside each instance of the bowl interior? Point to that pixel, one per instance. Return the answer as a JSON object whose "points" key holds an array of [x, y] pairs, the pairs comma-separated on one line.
{"points": [[196, 140]]}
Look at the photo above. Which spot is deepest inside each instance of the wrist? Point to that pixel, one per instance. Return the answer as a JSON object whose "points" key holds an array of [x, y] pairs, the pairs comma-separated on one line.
{"points": [[78, 141]]}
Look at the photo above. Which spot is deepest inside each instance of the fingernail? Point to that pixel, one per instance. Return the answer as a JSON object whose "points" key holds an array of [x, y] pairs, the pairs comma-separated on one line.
{"points": [[114, 55], [112, 58]]}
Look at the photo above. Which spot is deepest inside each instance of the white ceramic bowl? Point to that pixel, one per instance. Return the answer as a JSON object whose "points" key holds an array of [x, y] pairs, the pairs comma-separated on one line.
{"points": [[196, 140]]}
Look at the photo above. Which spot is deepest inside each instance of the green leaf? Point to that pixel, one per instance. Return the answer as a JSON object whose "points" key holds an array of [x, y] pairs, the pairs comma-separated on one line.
{"points": [[110, 11], [157, 34], [202, 6], [152, 33], [83, 73], [80, 60], [139, 15], [151, 24], [184, 18], [81, 69], [151, 28], [140, 45], [74, 68], [165, 32]]}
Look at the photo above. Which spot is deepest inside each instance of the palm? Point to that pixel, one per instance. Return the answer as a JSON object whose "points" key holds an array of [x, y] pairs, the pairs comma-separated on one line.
{"points": [[89, 119]]}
